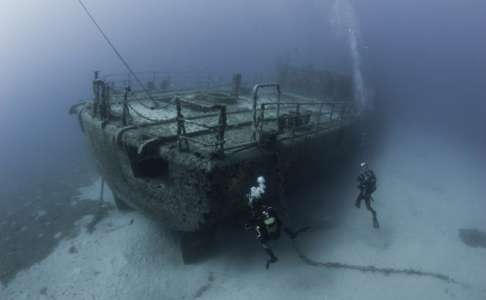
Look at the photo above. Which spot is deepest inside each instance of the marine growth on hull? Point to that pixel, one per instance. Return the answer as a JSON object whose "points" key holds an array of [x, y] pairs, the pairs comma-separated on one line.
{"points": [[184, 148]]}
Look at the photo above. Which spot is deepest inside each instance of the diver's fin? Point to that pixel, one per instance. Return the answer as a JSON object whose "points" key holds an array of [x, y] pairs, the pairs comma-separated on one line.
{"points": [[375, 223], [271, 261]]}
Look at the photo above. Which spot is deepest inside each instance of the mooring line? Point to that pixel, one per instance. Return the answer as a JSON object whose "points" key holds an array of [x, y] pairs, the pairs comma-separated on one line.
{"points": [[373, 269]]}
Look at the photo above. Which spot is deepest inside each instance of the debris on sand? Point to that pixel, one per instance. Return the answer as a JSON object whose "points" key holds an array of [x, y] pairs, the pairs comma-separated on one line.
{"points": [[43, 291], [39, 214], [73, 250]]}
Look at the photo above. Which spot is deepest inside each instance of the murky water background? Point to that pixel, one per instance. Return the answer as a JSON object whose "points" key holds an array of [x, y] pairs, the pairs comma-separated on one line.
{"points": [[421, 62]]}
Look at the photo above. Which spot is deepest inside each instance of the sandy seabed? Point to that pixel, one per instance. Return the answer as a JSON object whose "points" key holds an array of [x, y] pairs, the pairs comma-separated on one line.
{"points": [[429, 189]]}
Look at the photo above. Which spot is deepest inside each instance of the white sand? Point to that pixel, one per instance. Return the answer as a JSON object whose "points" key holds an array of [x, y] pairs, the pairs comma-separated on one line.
{"points": [[426, 193]]}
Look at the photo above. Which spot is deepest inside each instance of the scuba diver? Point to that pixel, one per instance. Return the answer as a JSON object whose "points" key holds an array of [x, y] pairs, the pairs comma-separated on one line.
{"points": [[367, 186], [266, 222]]}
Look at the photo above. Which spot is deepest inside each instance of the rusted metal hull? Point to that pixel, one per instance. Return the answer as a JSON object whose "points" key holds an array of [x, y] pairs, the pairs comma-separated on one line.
{"points": [[193, 193]]}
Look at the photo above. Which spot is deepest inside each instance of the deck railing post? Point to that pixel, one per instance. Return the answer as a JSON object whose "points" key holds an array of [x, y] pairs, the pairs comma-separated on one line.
{"points": [[255, 100], [343, 111], [178, 118], [346, 111], [126, 112], [296, 119], [254, 107], [332, 112], [96, 92], [221, 130], [318, 122], [103, 99], [279, 93], [261, 120], [181, 128]]}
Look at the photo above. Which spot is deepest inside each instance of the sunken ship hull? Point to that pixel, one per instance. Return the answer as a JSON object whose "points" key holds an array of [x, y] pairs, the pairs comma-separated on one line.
{"points": [[192, 168], [190, 194]]}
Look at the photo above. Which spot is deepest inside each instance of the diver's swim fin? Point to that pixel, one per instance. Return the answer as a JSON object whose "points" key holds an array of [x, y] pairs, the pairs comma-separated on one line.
{"points": [[375, 223], [272, 260]]}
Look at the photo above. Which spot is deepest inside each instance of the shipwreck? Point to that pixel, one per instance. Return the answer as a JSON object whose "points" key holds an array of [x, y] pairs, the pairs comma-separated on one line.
{"points": [[186, 151]]}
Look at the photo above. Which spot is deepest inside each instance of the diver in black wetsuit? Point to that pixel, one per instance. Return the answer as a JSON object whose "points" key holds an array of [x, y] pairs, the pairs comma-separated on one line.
{"points": [[266, 222], [268, 228], [367, 186]]}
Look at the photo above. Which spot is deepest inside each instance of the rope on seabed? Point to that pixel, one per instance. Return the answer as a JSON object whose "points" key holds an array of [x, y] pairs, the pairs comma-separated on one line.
{"points": [[373, 269]]}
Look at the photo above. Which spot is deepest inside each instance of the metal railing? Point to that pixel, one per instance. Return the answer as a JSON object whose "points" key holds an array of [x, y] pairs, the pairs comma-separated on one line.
{"points": [[282, 120], [324, 116], [330, 113], [183, 138], [256, 89]]}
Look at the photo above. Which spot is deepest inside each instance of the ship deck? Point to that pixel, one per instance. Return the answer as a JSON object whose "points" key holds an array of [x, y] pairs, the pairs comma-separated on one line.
{"points": [[201, 122]]}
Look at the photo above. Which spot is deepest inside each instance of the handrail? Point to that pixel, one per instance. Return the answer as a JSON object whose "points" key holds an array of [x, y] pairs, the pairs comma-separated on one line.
{"points": [[183, 139], [336, 108], [256, 88], [302, 121], [330, 113], [344, 108]]}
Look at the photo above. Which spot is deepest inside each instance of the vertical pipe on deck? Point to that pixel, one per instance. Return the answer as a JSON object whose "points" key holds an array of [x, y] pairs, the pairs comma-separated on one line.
{"points": [[262, 117], [318, 122], [296, 119], [221, 129], [254, 107], [179, 121], [126, 113]]}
